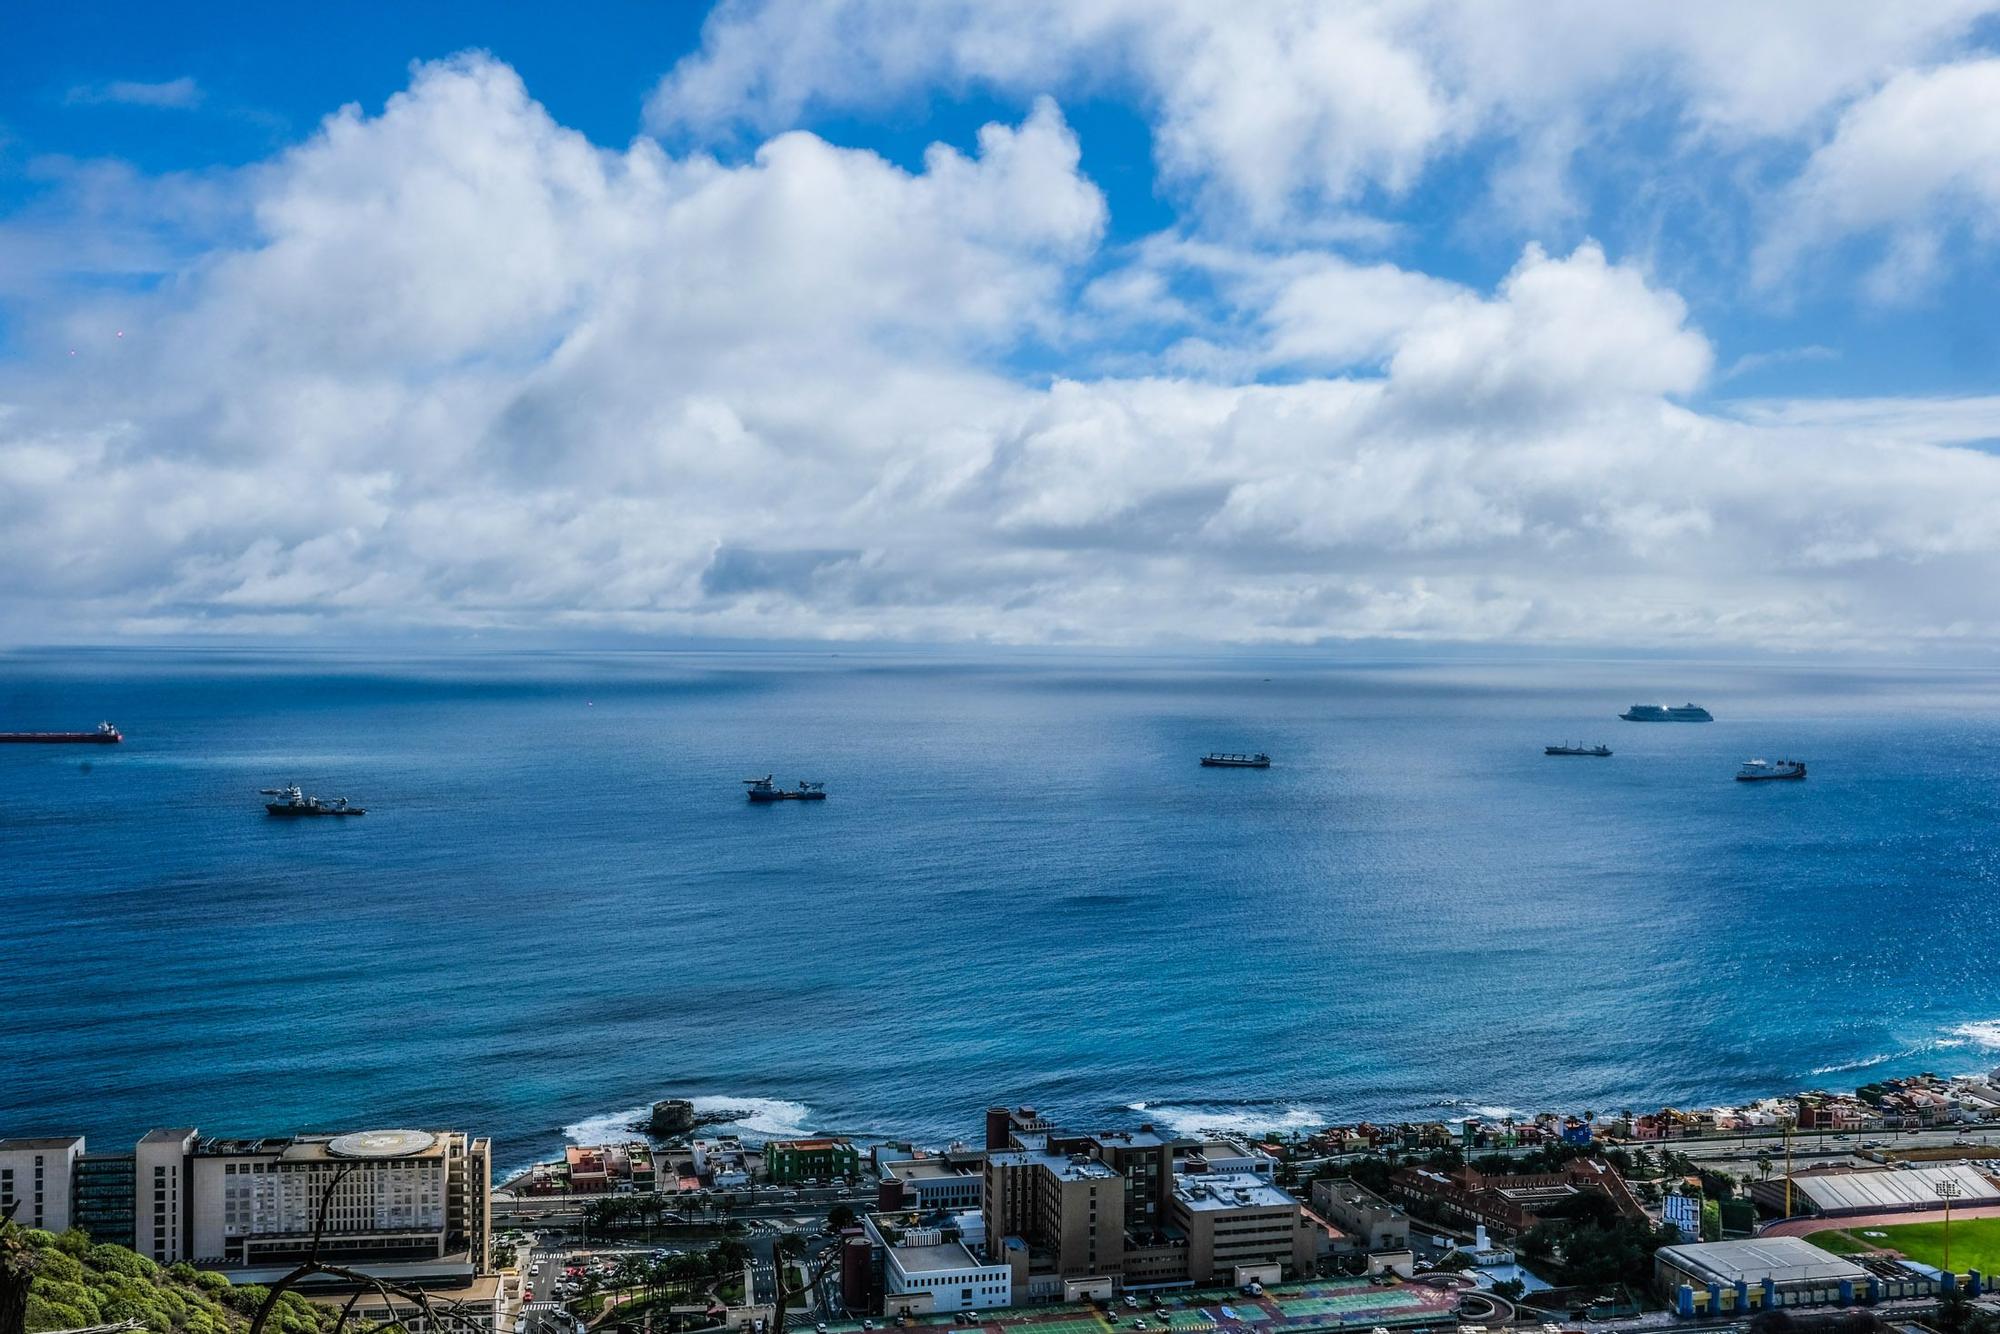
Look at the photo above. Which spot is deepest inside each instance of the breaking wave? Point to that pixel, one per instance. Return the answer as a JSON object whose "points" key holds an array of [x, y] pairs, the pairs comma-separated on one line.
{"points": [[1984, 1034], [754, 1118], [1228, 1120]]}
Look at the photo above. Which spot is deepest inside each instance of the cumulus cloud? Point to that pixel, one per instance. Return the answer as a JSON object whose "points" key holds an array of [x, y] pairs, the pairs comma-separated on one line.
{"points": [[451, 365], [1272, 112], [1911, 163]]}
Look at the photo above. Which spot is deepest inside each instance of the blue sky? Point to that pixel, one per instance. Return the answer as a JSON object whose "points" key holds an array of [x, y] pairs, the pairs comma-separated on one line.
{"points": [[1299, 323]]}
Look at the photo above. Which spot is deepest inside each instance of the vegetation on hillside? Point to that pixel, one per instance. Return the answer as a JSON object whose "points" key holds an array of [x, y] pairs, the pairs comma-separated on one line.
{"points": [[72, 1283]]}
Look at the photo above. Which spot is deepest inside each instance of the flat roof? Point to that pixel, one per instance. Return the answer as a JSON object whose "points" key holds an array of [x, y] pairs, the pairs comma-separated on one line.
{"points": [[1893, 1188], [1229, 1190], [41, 1142], [952, 1255], [1063, 1165], [1753, 1259], [909, 1169]]}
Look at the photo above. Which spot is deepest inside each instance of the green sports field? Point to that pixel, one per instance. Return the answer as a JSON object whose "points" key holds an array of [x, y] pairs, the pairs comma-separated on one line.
{"points": [[1975, 1242]]}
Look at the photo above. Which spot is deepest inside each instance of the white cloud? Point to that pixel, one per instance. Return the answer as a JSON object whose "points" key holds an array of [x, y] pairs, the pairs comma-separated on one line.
{"points": [[182, 94], [1273, 111], [1913, 161], [451, 365]]}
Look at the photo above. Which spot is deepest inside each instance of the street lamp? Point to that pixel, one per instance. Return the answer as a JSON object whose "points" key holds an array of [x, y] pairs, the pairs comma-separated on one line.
{"points": [[1948, 1191]]}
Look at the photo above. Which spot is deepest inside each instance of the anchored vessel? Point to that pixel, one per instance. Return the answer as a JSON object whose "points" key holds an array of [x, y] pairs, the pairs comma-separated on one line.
{"points": [[763, 789], [297, 803], [105, 735], [1660, 713], [1600, 750], [1765, 771], [1217, 760]]}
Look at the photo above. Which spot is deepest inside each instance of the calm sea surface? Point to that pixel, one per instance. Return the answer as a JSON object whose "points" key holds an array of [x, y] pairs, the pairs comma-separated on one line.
{"points": [[560, 906]]}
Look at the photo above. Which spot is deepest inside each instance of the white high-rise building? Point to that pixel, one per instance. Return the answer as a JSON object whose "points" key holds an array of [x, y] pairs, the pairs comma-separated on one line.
{"points": [[35, 1176]]}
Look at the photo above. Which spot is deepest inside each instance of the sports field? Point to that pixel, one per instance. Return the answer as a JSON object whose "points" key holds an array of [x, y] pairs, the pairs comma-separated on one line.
{"points": [[1975, 1242]]}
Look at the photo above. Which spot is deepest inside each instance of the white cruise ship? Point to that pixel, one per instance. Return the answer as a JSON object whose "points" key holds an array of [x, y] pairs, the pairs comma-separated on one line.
{"points": [[1661, 713]]}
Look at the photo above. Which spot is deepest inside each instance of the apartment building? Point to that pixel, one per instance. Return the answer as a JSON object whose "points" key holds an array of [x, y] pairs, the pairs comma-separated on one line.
{"points": [[1065, 1211], [419, 1200], [36, 1177], [1238, 1225]]}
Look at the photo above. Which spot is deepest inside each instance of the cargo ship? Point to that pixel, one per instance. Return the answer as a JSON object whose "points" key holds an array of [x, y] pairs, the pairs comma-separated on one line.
{"points": [[1765, 771], [1217, 760], [763, 789], [1600, 750], [1660, 713], [297, 804], [105, 735]]}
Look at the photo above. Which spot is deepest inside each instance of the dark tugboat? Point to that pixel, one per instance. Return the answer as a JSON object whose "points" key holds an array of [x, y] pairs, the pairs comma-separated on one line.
{"points": [[105, 735], [1217, 760], [297, 804], [763, 789]]}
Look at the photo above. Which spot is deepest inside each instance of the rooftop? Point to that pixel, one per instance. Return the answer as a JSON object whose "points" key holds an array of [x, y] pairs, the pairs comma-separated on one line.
{"points": [[945, 1255], [1068, 1167], [1891, 1188], [910, 1169], [1229, 1190], [41, 1142], [1782, 1259]]}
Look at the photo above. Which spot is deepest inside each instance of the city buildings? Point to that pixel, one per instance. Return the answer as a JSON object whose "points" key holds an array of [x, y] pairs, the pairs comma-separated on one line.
{"points": [[35, 1179], [1240, 1226], [1372, 1222], [1511, 1204], [942, 1181], [926, 1267], [1085, 1215], [790, 1161]]}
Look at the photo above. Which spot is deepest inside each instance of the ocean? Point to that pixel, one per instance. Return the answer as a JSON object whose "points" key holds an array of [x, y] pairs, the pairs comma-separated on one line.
{"points": [[1022, 889]]}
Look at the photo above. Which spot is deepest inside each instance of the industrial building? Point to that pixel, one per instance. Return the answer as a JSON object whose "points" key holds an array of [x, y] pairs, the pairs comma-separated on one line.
{"points": [[1835, 1191], [1711, 1278]]}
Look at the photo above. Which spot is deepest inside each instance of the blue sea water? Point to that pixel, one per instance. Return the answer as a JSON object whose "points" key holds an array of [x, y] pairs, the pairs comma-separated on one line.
{"points": [[560, 906]]}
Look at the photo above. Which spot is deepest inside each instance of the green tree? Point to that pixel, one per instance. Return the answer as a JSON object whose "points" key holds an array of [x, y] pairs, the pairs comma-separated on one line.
{"points": [[839, 1218]]}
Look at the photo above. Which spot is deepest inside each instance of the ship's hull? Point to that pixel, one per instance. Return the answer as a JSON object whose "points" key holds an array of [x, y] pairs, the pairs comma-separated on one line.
{"points": [[1662, 718], [289, 812], [1772, 778], [1564, 750], [58, 739], [766, 797], [1208, 763]]}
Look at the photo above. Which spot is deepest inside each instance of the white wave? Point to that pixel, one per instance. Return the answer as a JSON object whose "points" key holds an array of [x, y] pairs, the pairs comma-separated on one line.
{"points": [[1880, 1058], [773, 1117], [1983, 1033], [1497, 1112], [756, 1118], [1195, 1120], [609, 1128]]}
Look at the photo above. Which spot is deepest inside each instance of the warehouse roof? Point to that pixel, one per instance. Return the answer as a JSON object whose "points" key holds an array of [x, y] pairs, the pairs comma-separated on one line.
{"points": [[1781, 1259], [1891, 1188]]}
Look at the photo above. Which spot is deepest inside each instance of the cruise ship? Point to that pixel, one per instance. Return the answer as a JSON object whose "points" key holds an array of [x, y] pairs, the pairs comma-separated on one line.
{"points": [[1764, 771], [1661, 713]]}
